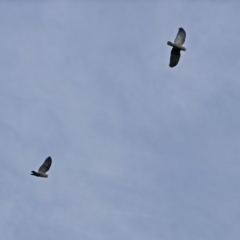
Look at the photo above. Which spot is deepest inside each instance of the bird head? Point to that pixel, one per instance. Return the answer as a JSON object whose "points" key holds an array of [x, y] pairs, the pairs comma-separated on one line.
{"points": [[44, 175]]}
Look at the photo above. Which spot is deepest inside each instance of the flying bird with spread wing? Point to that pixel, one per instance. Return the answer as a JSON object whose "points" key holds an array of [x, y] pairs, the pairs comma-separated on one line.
{"points": [[43, 169], [177, 47]]}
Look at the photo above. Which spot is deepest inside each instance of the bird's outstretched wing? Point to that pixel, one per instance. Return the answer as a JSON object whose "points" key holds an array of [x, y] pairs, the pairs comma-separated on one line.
{"points": [[180, 38], [175, 56], [46, 165]]}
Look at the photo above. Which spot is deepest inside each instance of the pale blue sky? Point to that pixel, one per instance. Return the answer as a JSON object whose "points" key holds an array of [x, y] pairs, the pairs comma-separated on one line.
{"points": [[140, 151]]}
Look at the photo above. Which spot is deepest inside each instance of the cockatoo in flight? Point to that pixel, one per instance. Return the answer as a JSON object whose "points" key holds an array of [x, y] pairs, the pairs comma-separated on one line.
{"points": [[177, 47], [43, 169]]}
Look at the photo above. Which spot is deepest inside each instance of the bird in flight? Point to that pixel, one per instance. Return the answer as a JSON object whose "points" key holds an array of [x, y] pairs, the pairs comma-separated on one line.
{"points": [[177, 47], [43, 169]]}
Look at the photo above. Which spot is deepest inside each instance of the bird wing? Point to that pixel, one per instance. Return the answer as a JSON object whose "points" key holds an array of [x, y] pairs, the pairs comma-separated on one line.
{"points": [[180, 38], [46, 165], [175, 56]]}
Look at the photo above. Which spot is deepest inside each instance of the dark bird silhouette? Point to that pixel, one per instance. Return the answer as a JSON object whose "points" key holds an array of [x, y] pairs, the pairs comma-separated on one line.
{"points": [[43, 169], [177, 47]]}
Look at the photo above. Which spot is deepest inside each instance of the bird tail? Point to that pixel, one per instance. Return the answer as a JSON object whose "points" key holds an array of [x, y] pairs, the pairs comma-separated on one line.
{"points": [[170, 44], [34, 173]]}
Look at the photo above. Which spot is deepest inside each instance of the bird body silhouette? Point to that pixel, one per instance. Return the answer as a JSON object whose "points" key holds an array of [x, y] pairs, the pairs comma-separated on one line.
{"points": [[43, 169], [177, 47]]}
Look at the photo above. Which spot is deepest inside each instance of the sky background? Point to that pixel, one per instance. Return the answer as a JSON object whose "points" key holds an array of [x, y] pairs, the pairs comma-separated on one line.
{"points": [[140, 151]]}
